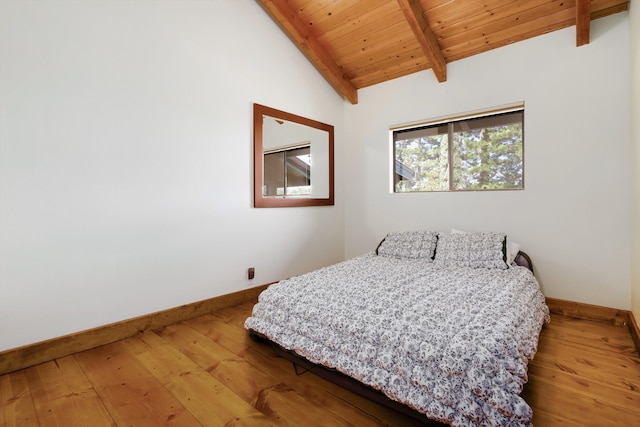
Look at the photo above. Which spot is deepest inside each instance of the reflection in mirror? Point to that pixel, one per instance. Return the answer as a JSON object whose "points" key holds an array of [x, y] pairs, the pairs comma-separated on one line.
{"points": [[293, 160], [287, 172]]}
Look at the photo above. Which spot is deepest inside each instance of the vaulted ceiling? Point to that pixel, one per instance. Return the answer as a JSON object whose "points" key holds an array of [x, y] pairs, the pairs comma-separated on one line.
{"points": [[359, 43]]}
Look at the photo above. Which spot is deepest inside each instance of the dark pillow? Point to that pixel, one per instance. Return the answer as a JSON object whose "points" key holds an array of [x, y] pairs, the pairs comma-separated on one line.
{"points": [[409, 245]]}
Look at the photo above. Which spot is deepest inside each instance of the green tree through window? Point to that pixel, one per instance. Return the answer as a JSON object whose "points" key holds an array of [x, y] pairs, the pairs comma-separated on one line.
{"points": [[481, 153]]}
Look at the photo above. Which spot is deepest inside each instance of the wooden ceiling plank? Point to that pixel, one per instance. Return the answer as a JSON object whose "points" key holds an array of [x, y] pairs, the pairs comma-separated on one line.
{"points": [[473, 46], [312, 8], [509, 14], [307, 42], [411, 57], [376, 43], [583, 22], [349, 39], [432, 5], [542, 15], [388, 58], [501, 29], [371, 77], [597, 14], [378, 18], [454, 15], [456, 21], [420, 27], [346, 13]]}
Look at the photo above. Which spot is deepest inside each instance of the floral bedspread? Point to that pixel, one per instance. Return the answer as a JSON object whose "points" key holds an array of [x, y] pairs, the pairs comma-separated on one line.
{"points": [[453, 343]]}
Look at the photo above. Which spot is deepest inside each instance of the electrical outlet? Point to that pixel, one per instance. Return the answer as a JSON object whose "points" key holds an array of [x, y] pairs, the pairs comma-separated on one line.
{"points": [[251, 273]]}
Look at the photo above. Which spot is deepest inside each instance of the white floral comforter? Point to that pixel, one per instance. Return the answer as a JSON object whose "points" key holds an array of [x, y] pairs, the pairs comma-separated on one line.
{"points": [[451, 343]]}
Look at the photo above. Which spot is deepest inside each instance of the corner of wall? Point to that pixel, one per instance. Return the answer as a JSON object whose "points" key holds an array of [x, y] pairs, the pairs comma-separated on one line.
{"points": [[634, 60]]}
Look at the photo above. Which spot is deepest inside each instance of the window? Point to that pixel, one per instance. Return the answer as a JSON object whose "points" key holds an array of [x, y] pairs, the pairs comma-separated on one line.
{"points": [[479, 152], [288, 172]]}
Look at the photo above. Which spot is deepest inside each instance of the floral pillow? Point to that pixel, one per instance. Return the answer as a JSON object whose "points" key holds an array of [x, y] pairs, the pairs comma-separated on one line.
{"points": [[409, 245], [475, 250], [512, 247]]}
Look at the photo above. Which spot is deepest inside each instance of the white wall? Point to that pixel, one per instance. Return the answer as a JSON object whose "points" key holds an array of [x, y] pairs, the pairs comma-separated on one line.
{"points": [[126, 159], [573, 218], [634, 52]]}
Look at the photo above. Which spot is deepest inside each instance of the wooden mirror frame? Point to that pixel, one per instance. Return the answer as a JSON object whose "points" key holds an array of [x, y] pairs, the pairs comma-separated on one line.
{"points": [[261, 201]]}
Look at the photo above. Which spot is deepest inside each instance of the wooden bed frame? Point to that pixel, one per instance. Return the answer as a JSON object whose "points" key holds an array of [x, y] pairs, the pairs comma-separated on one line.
{"points": [[302, 365]]}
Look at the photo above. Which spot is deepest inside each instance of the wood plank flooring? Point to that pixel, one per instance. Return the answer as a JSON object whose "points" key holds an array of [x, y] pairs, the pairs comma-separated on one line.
{"points": [[207, 372]]}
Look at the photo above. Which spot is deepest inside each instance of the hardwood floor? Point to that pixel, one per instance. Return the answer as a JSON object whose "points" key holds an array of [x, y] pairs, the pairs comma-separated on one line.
{"points": [[207, 372]]}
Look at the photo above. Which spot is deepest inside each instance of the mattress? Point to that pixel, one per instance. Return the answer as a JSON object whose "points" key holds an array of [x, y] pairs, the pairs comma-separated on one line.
{"points": [[450, 342]]}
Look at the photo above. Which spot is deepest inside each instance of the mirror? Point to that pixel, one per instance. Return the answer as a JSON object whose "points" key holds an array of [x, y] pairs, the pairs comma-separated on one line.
{"points": [[292, 160]]}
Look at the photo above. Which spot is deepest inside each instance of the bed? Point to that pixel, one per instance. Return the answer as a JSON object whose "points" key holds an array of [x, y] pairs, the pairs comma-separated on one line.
{"points": [[437, 325]]}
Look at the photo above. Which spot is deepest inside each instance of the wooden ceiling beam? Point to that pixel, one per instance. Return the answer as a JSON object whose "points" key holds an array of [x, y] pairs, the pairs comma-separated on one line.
{"points": [[583, 22], [423, 33], [308, 43]]}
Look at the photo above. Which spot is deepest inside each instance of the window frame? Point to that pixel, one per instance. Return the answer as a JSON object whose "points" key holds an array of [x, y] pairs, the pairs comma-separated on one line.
{"points": [[450, 121], [287, 152]]}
